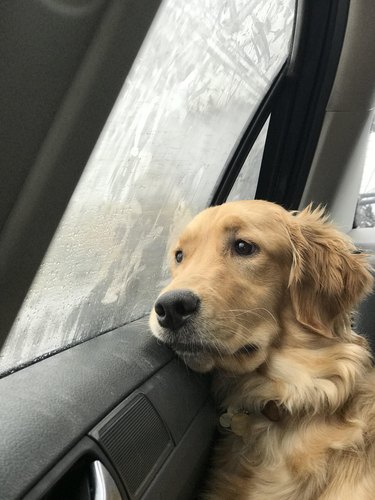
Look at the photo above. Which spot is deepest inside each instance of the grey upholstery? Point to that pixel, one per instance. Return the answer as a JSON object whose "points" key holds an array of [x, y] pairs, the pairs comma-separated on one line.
{"points": [[364, 322]]}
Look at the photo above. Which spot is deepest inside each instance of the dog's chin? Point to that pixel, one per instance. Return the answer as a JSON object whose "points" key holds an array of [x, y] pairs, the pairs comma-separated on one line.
{"points": [[197, 357], [244, 360], [198, 361], [203, 357], [197, 354]]}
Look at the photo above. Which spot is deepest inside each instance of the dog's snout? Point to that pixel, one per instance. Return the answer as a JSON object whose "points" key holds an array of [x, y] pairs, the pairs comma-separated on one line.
{"points": [[175, 307]]}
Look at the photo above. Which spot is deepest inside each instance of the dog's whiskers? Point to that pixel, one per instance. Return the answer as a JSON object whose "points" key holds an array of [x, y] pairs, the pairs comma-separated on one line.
{"points": [[242, 312]]}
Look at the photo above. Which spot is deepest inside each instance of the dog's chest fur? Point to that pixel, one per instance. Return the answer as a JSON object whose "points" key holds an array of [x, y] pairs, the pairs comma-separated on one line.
{"points": [[292, 455]]}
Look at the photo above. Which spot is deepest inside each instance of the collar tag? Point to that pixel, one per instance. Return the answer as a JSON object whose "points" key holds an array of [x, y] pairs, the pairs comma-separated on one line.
{"points": [[225, 419]]}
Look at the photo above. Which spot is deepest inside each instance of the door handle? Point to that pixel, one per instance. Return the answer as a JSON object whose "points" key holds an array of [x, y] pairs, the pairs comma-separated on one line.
{"points": [[104, 486]]}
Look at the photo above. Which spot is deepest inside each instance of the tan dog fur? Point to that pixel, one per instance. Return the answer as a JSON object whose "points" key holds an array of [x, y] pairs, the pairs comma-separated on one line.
{"points": [[292, 300]]}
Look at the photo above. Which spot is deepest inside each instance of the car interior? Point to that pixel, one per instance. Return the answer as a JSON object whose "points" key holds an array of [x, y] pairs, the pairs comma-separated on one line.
{"points": [[261, 99]]}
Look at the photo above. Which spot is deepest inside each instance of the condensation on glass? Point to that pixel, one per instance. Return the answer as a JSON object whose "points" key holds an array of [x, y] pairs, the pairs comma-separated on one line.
{"points": [[245, 185], [365, 213], [203, 69]]}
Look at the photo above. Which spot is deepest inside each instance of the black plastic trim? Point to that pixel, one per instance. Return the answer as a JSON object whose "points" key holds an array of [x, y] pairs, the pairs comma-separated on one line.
{"points": [[178, 479], [85, 451], [48, 407], [298, 114], [179, 476], [133, 427]]}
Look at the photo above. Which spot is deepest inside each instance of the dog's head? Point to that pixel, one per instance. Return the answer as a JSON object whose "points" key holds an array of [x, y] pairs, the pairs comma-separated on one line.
{"points": [[238, 269]]}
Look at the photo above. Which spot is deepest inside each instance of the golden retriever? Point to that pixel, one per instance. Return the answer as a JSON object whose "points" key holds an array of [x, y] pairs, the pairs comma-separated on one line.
{"points": [[263, 297]]}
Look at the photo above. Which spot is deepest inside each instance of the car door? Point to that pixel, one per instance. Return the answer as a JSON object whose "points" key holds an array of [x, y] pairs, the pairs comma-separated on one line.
{"points": [[224, 101]]}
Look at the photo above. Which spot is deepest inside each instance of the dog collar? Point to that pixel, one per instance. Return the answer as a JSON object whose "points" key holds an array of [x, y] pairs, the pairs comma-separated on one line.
{"points": [[271, 410]]}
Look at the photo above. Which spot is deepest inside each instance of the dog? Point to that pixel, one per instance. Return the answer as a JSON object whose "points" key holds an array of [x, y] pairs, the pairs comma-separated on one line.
{"points": [[262, 297]]}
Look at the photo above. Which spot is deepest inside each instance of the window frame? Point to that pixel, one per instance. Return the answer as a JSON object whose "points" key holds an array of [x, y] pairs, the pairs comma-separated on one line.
{"points": [[296, 104], [298, 113]]}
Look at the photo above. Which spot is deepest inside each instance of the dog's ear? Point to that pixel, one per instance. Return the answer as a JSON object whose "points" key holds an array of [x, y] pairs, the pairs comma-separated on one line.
{"points": [[327, 276]]}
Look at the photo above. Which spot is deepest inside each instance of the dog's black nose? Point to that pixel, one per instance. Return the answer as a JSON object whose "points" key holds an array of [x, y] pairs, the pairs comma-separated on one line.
{"points": [[175, 307]]}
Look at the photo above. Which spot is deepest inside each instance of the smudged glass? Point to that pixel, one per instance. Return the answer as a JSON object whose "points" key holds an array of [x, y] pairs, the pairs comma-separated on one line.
{"points": [[197, 81]]}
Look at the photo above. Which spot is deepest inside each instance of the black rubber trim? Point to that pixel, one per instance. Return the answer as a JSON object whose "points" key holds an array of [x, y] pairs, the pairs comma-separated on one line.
{"points": [[48, 354], [246, 142], [298, 114]]}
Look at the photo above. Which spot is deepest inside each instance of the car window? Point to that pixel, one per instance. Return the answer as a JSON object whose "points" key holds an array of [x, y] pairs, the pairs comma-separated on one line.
{"points": [[202, 71], [365, 213], [246, 183]]}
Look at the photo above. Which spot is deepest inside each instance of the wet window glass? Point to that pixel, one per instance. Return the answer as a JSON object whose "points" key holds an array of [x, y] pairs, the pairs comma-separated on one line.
{"points": [[245, 185], [197, 81]]}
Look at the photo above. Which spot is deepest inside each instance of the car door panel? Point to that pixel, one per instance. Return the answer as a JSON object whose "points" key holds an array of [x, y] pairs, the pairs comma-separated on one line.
{"points": [[48, 407]]}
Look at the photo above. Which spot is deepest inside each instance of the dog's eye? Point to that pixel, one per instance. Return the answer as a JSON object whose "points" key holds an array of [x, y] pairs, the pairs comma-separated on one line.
{"points": [[242, 247], [179, 256]]}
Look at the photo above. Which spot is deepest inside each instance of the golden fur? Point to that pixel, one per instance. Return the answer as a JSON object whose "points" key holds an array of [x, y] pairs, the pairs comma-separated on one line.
{"points": [[274, 326]]}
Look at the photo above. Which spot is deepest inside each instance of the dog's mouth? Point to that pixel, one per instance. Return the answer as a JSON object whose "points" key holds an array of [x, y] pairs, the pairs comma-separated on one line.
{"points": [[190, 341], [192, 348]]}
